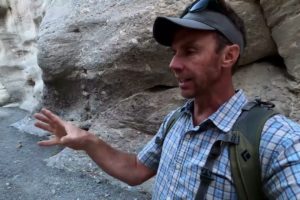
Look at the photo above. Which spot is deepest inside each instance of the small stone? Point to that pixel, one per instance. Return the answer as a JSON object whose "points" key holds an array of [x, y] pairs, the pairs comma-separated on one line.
{"points": [[134, 41], [122, 32], [19, 145], [84, 93], [100, 73], [7, 184]]}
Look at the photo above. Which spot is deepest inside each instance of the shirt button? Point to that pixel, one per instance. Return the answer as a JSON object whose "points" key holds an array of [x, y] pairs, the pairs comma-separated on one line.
{"points": [[177, 166], [188, 136]]}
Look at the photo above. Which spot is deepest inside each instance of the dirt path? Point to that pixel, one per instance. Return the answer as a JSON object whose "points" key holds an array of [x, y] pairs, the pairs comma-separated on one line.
{"points": [[24, 174]]}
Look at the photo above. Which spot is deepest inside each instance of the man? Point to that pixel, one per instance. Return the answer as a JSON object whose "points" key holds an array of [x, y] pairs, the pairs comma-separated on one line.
{"points": [[207, 41]]}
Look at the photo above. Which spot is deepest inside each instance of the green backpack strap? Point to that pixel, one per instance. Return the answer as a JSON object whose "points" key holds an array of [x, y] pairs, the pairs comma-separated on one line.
{"points": [[169, 125], [244, 157], [172, 120]]}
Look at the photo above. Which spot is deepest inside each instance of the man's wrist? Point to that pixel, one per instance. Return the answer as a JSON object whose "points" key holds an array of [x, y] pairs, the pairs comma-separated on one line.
{"points": [[90, 142]]}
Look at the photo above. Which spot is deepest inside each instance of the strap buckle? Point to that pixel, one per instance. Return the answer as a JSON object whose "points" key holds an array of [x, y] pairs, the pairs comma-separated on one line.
{"points": [[235, 138], [266, 104], [158, 141], [206, 175], [259, 102]]}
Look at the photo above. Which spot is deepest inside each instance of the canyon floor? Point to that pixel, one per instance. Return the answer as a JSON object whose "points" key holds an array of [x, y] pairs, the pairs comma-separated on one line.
{"points": [[25, 175]]}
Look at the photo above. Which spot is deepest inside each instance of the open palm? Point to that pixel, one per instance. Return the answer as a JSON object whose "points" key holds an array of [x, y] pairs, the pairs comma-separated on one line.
{"points": [[64, 132], [50, 122]]}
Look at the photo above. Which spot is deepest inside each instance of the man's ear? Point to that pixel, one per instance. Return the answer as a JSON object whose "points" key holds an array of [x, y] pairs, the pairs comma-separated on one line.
{"points": [[231, 54]]}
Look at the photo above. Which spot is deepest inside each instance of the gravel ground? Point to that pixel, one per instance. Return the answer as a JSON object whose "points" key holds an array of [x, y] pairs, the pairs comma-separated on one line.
{"points": [[25, 176]]}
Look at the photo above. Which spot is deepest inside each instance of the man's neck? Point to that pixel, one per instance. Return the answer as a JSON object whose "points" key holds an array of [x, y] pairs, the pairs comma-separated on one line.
{"points": [[207, 104]]}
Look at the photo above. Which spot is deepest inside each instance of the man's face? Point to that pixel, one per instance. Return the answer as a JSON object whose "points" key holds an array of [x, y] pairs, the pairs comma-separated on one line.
{"points": [[195, 63]]}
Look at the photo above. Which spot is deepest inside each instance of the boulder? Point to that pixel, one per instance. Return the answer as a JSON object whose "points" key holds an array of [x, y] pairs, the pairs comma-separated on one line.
{"points": [[144, 111], [283, 18], [92, 58], [259, 41], [269, 82]]}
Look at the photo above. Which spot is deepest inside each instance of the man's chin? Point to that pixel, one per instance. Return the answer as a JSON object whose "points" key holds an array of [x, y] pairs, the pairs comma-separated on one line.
{"points": [[187, 95]]}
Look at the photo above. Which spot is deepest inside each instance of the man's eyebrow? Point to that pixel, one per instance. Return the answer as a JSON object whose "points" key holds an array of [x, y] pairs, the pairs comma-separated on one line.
{"points": [[185, 45], [192, 45]]}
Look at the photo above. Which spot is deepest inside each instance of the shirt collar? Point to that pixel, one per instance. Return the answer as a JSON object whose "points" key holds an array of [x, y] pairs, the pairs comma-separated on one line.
{"points": [[227, 114]]}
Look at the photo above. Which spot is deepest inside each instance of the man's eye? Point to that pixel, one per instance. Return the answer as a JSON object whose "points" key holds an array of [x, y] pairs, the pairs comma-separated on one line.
{"points": [[190, 51]]}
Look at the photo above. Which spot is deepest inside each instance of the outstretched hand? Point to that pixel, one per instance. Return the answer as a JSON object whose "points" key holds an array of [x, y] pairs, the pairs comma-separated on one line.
{"points": [[123, 166], [64, 133]]}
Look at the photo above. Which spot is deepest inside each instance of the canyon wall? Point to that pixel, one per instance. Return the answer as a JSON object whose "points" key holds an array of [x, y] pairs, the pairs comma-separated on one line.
{"points": [[21, 81]]}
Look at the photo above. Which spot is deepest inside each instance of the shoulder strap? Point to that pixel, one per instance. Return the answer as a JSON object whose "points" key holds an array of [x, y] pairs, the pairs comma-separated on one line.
{"points": [[169, 125], [244, 157], [172, 120]]}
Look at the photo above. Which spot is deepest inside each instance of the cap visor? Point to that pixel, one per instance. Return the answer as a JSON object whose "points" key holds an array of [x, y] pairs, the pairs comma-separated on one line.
{"points": [[164, 28]]}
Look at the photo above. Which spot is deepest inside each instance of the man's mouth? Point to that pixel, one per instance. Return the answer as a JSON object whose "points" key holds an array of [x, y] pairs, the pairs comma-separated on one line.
{"points": [[181, 80], [184, 81]]}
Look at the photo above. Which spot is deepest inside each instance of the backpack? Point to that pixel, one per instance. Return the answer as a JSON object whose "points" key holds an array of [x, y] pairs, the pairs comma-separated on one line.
{"points": [[243, 151]]}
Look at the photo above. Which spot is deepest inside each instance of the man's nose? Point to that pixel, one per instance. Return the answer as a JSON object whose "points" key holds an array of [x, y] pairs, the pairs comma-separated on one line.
{"points": [[176, 63]]}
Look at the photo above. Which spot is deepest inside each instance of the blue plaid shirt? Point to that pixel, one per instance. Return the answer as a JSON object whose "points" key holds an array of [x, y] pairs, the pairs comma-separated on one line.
{"points": [[179, 161]]}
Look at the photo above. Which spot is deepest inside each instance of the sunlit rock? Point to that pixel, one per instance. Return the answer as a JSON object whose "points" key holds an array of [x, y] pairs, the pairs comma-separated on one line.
{"points": [[19, 72], [4, 96]]}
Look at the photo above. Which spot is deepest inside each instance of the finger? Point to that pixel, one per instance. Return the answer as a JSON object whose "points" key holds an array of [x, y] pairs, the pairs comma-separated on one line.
{"points": [[43, 126], [42, 118], [51, 116], [50, 142], [70, 128]]}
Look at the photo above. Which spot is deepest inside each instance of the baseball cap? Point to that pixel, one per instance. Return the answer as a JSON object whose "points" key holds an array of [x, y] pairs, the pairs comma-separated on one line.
{"points": [[200, 15]]}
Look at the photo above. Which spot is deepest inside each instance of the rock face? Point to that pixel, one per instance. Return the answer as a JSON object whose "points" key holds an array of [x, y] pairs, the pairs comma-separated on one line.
{"points": [[19, 72], [268, 81], [283, 18], [92, 59], [4, 96], [103, 70], [259, 41], [96, 63]]}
